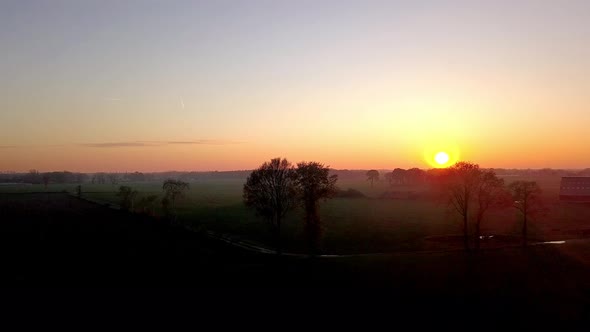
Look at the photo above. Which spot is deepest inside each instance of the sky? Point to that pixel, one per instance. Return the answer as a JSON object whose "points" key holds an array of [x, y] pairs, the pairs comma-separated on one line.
{"points": [[224, 85]]}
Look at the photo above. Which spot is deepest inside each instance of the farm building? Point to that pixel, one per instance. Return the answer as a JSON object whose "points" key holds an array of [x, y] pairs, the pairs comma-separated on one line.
{"points": [[575, 189]]}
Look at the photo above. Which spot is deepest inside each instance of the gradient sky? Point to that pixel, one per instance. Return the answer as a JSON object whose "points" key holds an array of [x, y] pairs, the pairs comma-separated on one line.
{"points": [[221, 85]]}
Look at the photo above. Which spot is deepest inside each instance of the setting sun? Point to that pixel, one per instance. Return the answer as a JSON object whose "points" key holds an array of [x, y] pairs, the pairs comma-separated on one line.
{"points": [[441, 158]]}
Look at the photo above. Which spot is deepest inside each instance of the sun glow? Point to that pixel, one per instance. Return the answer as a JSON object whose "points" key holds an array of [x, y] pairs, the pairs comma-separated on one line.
{"points": [[441, 154], [441, 158]]}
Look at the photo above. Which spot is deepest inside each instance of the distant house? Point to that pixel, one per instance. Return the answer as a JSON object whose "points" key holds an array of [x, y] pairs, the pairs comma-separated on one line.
{"points": [[575, 189]]}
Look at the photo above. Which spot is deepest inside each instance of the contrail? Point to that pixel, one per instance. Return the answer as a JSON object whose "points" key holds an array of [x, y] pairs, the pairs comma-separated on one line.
{"points": [[181, 102]]}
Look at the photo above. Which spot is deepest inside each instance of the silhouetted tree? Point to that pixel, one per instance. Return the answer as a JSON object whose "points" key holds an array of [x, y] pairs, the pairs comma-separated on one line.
{"points": [[459, 184], [398, 176], [147, 204], [99, 178], [166, 206], [79, 190], [113, 178], [45, 178], [127, 195], [490, 193], [135, 177], [81, 177], [414, 175], [271, 191], [526, 195], [174, 189], [314, 183], [372, 175], [33, 176]]}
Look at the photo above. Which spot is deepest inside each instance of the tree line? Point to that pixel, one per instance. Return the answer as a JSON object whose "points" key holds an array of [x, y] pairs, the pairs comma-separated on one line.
{"points": [[471, 192], [173, 190], [277, 187]]}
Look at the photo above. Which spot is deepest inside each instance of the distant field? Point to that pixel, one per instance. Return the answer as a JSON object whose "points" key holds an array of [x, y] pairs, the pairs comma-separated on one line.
{"points": [[357, 225]]}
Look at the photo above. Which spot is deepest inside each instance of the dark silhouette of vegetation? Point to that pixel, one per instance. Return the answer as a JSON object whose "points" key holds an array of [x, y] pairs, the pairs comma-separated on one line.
{"points": [[315, 183], [526, 195], [99, 178], [79, 190], [415, 175], [372, 175], [174, 189], [490, 193], [271, 191], [349, 193], [147, 204], [166, 206], [45, 178], [135, 177], [113, 178], [397, 176], [33, 176], [127, 195], [459, 184]]}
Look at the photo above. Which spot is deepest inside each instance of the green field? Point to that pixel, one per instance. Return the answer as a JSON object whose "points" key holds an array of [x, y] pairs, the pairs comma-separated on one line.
{"points": [[351, 225]]}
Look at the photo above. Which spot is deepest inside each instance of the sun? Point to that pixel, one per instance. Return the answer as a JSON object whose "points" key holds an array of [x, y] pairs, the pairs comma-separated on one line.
{"points": [[441, 153], [441, 158]]}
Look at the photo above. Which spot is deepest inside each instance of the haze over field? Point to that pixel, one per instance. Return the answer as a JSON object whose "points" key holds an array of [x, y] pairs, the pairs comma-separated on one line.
{"points": [[222, 85]]}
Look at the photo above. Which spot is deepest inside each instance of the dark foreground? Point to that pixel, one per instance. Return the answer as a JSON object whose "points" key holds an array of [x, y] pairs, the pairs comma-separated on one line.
{"points": [[54, 241]]}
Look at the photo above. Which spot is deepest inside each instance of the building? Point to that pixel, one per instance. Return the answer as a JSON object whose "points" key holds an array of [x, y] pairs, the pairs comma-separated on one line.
{"points": [[575, 189]]}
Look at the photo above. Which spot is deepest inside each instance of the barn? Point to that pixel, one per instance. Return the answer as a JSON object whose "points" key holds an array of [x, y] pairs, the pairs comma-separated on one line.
{"points": [[575, 189]]}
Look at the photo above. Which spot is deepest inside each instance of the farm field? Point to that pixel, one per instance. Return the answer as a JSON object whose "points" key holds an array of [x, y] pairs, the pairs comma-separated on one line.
{"points": [[368, 224]]}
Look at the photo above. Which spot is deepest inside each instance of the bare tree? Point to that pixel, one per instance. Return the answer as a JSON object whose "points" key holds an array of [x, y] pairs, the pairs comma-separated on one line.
{"points": [[271, 191], [526, 195], [174, 189], [372, 175], [127, 195], [490, 193], [459, 184], [314, 183]]}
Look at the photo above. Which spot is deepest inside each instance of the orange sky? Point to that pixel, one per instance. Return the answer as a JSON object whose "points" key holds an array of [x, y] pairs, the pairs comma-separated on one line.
{"points": [[109, 86]]}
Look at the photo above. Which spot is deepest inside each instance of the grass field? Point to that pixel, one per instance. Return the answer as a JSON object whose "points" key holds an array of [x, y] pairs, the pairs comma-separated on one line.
{"points": [[351, 225]]}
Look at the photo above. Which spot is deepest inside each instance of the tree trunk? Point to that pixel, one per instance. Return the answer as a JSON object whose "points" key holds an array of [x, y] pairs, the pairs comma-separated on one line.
{"points": [[465, 233], [477, 235], [524, 230], [278, 237]]}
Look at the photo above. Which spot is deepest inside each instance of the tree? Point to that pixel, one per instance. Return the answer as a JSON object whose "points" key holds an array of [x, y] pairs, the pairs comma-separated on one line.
{"points": [[45, 178], [490, 193], [398, 176], [415, 175], [459, 184], [99, 178], [314, 183], [113, 178], [79, 190], [127, 195], [174, 189], [147, 204], [271, 191], [372, 175], [33, 176], [526, 195]]}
